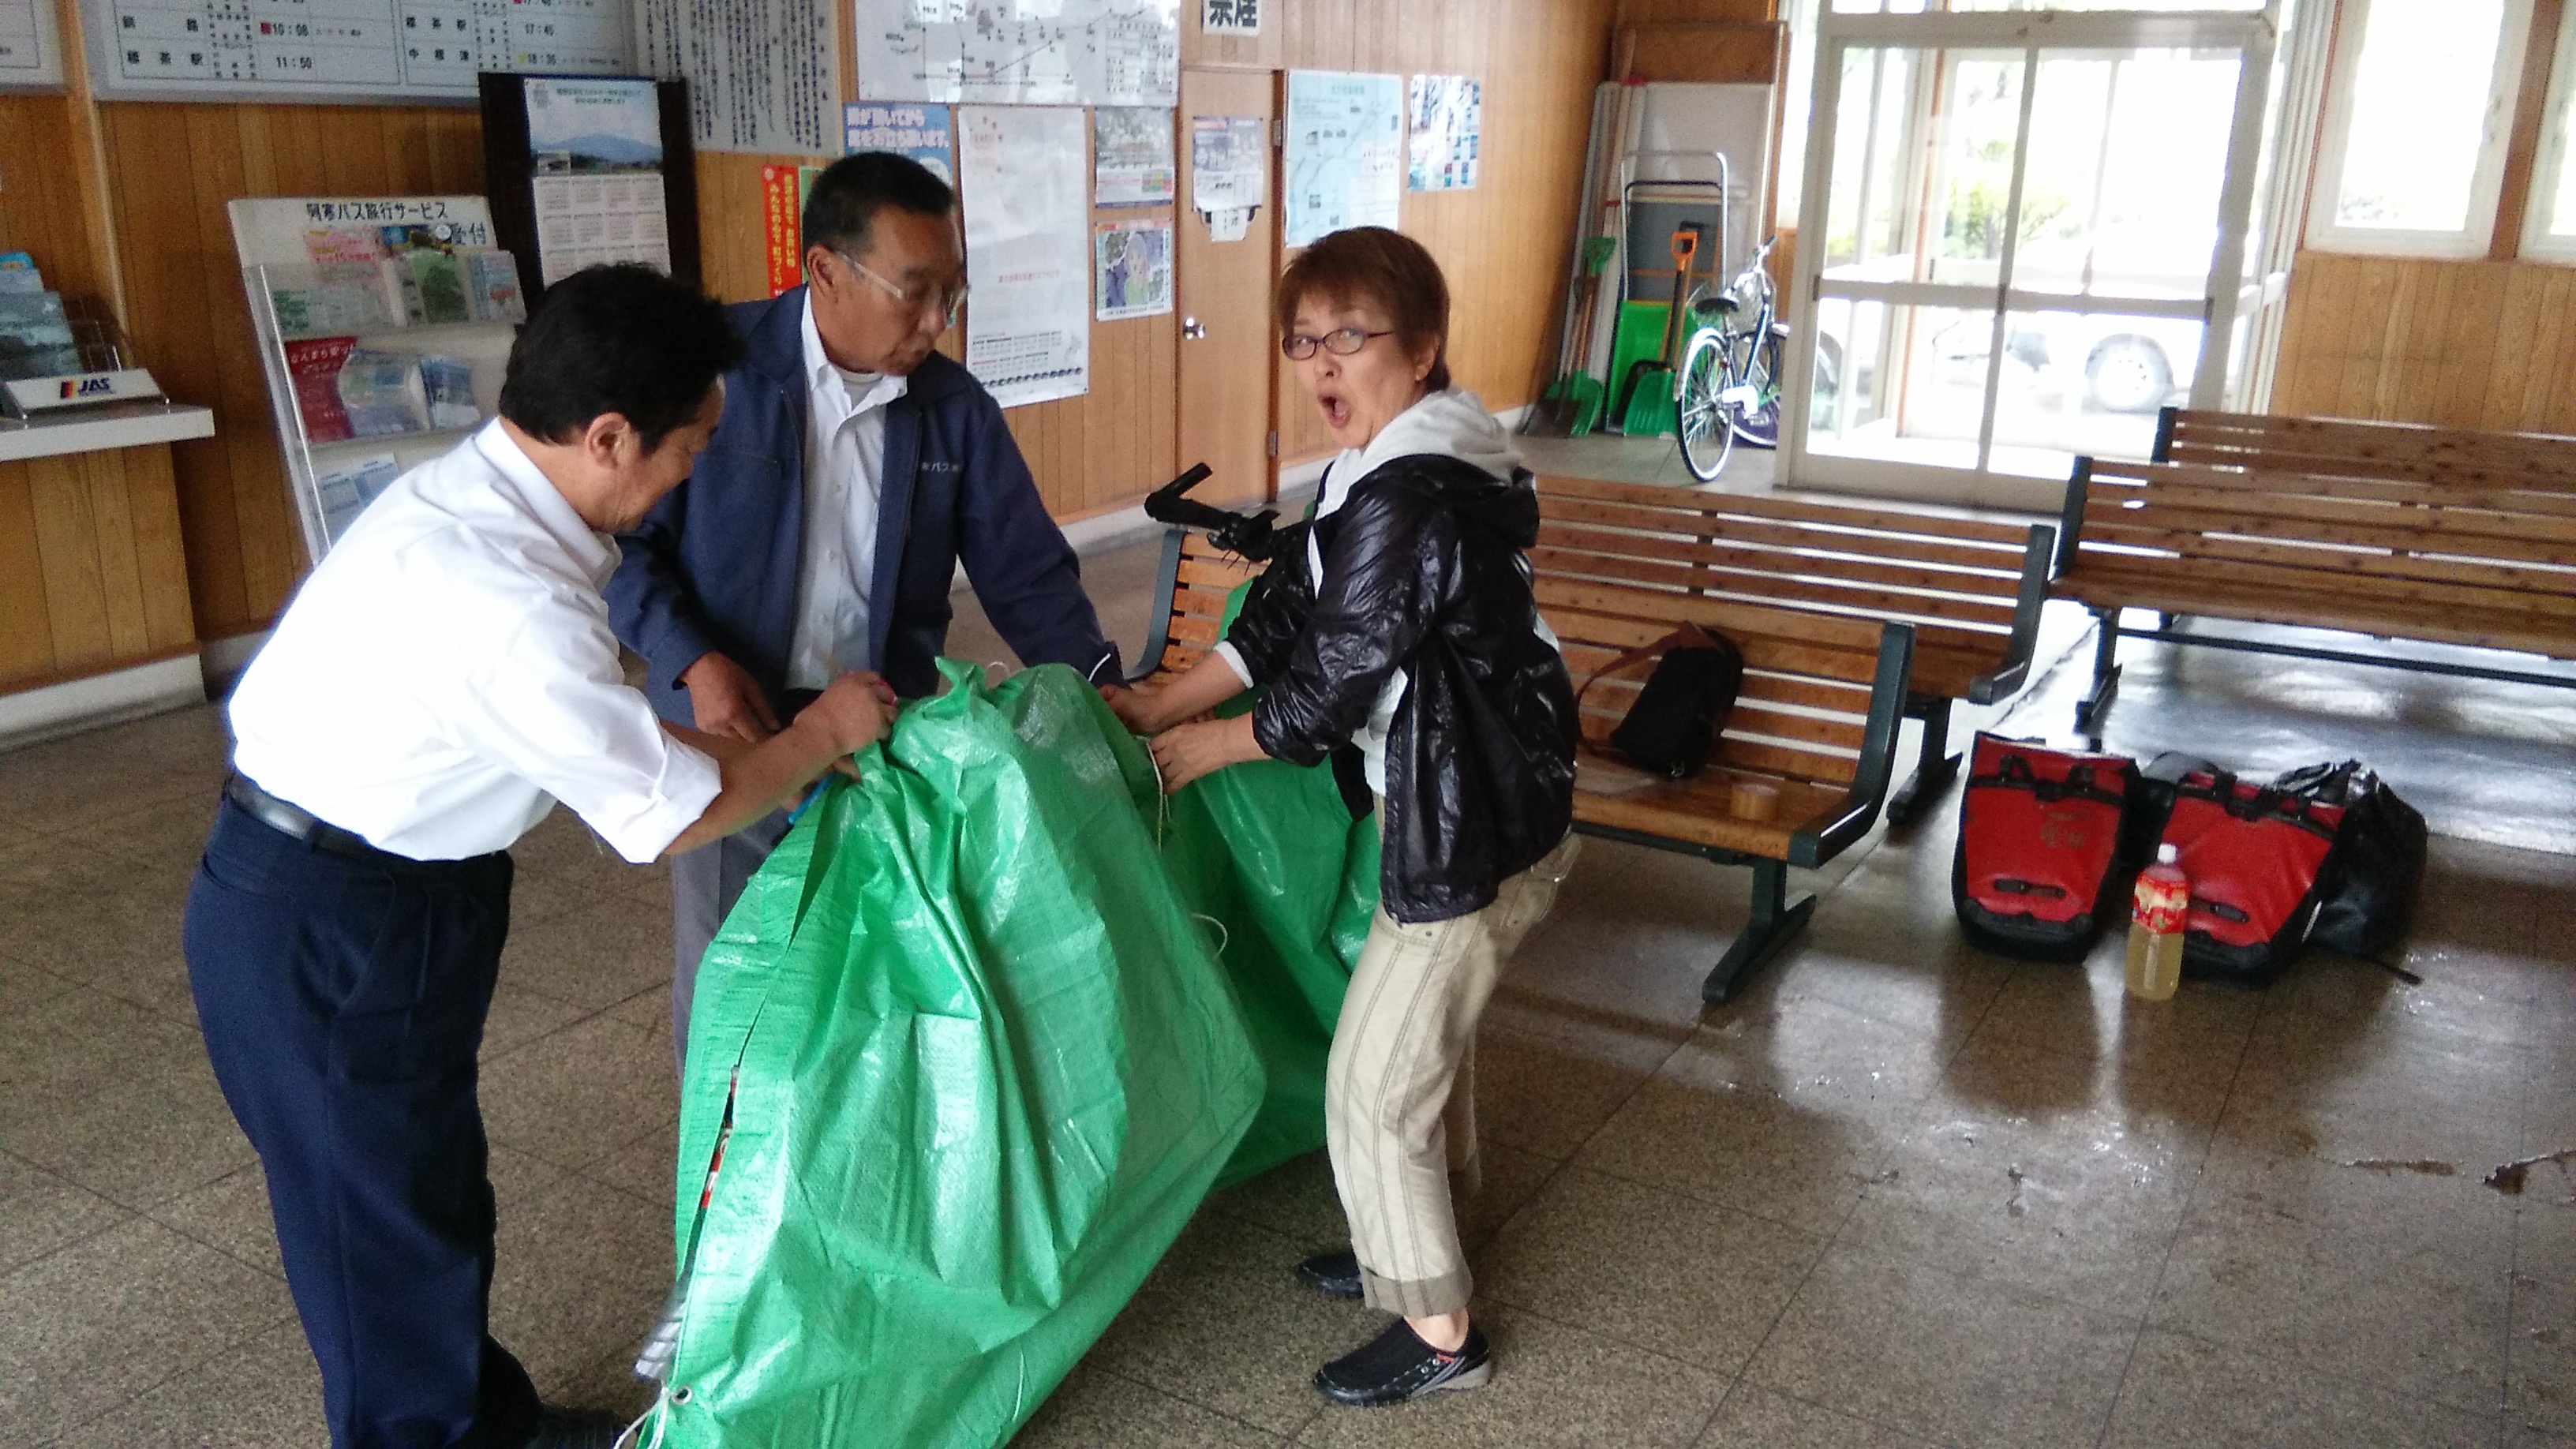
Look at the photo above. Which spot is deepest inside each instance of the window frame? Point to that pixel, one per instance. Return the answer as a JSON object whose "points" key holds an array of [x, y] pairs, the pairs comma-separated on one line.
{"points": [[2557, 155], [2476, 233]]}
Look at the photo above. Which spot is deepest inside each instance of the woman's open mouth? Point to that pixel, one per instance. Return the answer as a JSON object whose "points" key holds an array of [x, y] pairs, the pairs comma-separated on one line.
{"points": [[1337, 409]]}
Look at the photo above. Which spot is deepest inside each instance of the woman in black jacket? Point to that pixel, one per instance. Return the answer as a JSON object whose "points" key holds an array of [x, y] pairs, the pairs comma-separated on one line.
{"points": [[1396, 635]]}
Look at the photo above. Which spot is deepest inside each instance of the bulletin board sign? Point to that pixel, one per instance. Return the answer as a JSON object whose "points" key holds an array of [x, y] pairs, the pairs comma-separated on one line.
{"points": [[344, 50], [586, 170], [783, 190], [30, 48]]}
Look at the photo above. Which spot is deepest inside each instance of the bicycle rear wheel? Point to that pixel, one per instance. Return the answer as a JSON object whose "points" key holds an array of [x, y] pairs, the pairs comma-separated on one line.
{"points": [[1706, 428]]}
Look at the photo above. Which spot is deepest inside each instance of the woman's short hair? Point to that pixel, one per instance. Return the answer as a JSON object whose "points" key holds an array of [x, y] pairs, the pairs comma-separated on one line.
{"points": [[1370, 264]]}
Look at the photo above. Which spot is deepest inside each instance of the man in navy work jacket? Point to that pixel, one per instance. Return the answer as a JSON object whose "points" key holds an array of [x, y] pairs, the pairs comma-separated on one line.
{"points": [[853, 470]]}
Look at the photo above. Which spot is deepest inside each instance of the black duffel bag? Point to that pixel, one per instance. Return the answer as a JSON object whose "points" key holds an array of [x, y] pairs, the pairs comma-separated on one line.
{"points": [[2378, 860]]}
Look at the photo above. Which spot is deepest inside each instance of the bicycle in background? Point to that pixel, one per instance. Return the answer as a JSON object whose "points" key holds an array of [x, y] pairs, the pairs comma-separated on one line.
{"points": [[1729, 386]]}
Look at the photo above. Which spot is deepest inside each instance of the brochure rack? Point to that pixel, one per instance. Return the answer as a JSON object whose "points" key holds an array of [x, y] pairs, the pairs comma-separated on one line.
{"points": [[383, 326]]}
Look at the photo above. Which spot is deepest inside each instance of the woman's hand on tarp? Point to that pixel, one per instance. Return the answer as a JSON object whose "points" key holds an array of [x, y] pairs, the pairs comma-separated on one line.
{"points": [[1186, 752]]}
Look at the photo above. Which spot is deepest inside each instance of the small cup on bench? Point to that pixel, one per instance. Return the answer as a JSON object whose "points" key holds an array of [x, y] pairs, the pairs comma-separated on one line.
{"points": [[1754, 800]]}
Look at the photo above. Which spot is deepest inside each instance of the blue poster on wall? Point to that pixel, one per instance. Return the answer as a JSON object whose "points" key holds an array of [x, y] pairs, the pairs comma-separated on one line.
{"points": [[1345, 159], [912, 129]]}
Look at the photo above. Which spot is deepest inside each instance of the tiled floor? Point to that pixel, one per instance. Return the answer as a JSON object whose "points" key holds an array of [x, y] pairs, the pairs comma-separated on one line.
{"points": [[1900, 1193]]}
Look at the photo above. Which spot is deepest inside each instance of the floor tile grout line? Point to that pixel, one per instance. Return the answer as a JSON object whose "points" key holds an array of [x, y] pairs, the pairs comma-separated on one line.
{"points": [[1236, 1419], [177, 1374], [2182, 1224]]}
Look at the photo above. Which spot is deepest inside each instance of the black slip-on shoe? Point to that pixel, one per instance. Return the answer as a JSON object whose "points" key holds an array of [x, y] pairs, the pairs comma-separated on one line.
{"points": [[1335, 1275], [559, 1428], [1397, 1365]]}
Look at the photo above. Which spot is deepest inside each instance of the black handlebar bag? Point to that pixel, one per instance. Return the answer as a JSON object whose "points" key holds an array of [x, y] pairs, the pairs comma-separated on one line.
{"points": [[2259, 859], [2046, 856]]}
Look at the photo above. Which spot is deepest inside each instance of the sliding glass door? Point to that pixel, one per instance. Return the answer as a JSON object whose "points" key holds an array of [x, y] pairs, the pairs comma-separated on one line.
{"points": [[2022, 234]]}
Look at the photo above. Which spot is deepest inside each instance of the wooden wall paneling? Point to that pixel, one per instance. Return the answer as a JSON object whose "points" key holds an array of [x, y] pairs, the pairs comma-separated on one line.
{"points": [[1683, 12], [2477, 344], [733, 246], [42, 210], [26, 631], [67, 556], [152, 504]]}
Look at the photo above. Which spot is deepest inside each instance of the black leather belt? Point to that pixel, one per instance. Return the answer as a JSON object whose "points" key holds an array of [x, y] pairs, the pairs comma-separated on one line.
{"points": [[297, 823]]}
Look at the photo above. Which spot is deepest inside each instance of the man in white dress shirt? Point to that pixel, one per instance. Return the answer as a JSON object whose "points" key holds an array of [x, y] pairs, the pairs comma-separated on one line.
{"points": [[444, 677], [855, 468]]}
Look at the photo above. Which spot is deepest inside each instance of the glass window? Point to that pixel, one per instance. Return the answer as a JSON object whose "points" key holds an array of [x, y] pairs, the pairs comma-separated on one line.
{"points": [[2549, 231], [2416, 123]]}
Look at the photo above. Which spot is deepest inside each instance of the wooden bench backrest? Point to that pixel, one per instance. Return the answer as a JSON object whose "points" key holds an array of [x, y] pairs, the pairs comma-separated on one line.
{"points": [[1960, 582], [1804, 710], [2393, 546], [1202, 576], [2538, 464]]}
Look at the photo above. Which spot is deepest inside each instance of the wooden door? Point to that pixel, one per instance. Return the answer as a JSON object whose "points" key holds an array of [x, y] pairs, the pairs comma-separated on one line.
{"points": [[1228, 349]]}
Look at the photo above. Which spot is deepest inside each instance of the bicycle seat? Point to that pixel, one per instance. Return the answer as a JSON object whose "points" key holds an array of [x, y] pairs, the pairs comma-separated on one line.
{"points": [[1720, 305]]}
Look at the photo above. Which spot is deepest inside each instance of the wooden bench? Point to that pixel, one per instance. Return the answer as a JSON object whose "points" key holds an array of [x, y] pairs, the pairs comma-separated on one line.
{"points": [[2385, 530], [1816, 721], [1972, 590]]}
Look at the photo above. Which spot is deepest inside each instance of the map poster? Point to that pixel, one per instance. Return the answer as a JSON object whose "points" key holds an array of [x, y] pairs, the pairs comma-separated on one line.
{"points": [[1020, 52], [1134, 262], [1131, 156], [1028, 253], [918, 131], [1345, 155], [1444, 121]]}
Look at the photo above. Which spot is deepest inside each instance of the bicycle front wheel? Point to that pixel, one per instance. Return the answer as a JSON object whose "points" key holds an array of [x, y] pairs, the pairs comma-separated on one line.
{"points": [[1707, 427]]}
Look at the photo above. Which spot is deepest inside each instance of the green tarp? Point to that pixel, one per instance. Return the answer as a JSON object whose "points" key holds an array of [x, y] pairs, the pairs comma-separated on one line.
{"points": [[984, 1063]]}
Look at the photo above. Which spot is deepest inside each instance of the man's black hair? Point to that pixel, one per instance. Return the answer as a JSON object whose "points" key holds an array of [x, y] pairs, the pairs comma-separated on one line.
{"points": [[847, 195], [621, 339]]}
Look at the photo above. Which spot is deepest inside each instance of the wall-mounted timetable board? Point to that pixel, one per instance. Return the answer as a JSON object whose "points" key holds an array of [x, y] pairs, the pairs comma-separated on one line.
{"points": [[30, 52], [330, 50]]}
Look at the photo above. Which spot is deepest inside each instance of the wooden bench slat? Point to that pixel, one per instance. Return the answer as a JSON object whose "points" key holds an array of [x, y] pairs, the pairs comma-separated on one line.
{"points": [[1811, 557], [2537, 454], [2313, 577], [2382, 533], [2106, 587], [2333, 478], [2413, 521], [1214, 573], [1653, 522], [2340, 559], [1803, 510], [1994, 616]]}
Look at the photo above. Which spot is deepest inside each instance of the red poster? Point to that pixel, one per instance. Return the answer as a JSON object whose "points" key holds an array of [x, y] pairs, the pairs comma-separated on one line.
{"points": [[780, 221]]}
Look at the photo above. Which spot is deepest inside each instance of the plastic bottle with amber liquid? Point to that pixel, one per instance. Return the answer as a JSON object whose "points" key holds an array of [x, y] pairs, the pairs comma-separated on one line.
{"points": [[2155, 928]]}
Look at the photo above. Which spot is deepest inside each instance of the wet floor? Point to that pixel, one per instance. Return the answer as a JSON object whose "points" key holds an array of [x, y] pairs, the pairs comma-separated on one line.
{"points": [[1899, 1193]]}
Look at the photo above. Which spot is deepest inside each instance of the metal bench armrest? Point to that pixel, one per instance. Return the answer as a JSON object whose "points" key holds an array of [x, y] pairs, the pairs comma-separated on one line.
{"points": [[2007, 677], [1812, 847], [2070, 519], [1159, 627]]}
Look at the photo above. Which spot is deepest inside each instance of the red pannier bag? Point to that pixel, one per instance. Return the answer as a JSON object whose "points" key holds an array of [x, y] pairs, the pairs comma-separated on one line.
{"points": [[2257, 857], [2041, 866]]}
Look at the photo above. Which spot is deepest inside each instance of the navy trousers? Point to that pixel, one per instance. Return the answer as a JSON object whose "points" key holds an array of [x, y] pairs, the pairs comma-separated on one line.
{"points": [[342, 1002]]}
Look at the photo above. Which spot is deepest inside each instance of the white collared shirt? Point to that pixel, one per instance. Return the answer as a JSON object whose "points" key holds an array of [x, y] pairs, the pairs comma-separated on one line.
{"points": [[845, 427], [448, 673]]}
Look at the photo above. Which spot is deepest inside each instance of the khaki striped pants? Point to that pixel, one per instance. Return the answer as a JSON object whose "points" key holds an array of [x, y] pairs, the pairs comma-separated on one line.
{"points": [[1400, 1087]]}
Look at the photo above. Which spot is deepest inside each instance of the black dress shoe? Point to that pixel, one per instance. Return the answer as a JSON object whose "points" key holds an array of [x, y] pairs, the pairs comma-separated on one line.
{"points": [[1335, 1275], [1398, 1366], [575, 1429]]}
